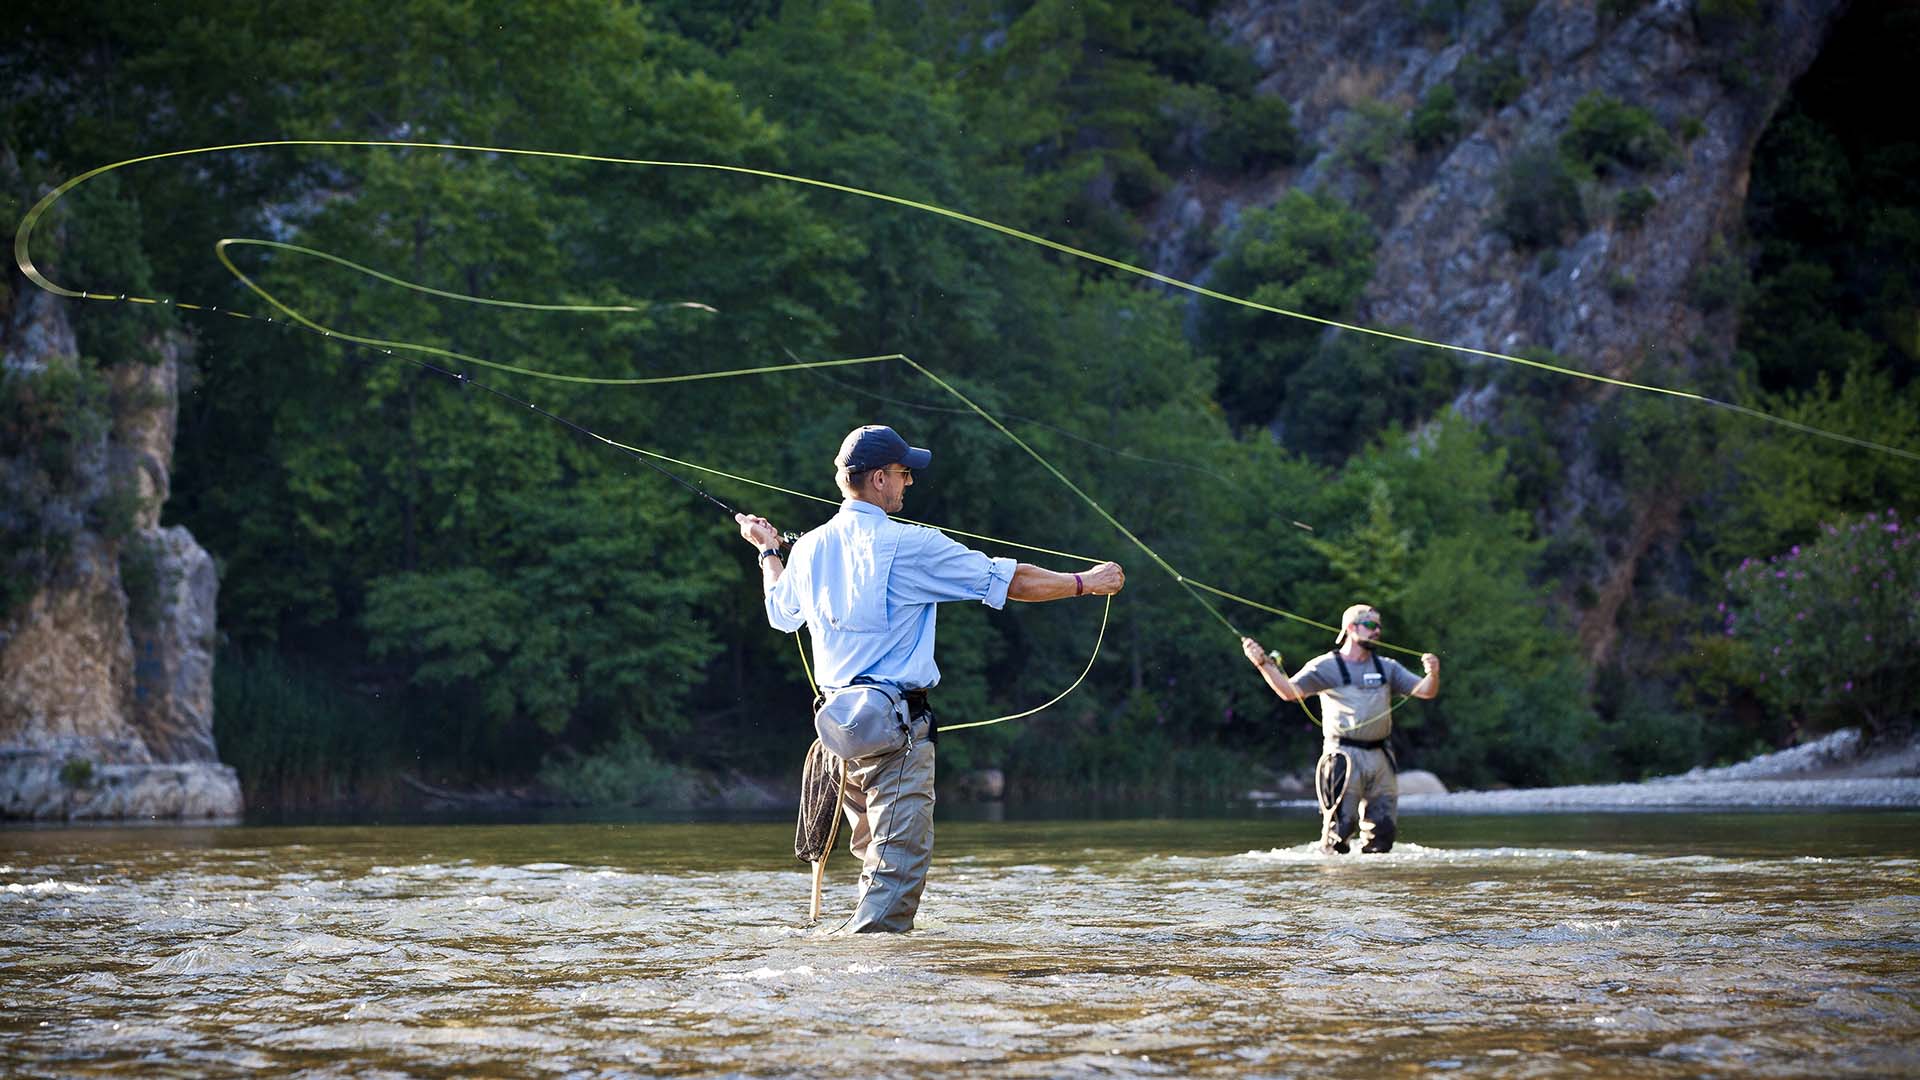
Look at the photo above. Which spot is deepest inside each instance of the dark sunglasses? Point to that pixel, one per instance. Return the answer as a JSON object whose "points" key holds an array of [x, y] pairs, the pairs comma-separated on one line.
{"points": [[1368, 623]]}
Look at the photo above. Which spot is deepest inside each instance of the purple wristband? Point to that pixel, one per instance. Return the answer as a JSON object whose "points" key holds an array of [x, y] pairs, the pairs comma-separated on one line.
{"points": [[1079, 587]]}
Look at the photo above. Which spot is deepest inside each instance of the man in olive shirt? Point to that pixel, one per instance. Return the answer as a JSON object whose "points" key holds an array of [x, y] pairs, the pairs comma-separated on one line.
{"points": [[1355, 777]]}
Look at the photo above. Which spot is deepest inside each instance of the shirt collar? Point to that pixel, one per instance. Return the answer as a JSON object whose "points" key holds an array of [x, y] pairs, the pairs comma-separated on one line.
{"points": [[860, 506]]}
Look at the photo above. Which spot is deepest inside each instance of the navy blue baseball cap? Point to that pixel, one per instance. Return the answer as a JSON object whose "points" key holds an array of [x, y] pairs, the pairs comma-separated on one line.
{"points": [[877, 445]]}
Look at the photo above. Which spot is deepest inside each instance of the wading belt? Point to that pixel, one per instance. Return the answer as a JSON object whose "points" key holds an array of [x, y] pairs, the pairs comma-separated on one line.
{"points": [[1372, 744]]}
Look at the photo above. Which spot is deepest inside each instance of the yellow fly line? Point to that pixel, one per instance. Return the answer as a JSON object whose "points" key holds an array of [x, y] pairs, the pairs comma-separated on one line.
{"points": [[27, 224], [391, 347]]}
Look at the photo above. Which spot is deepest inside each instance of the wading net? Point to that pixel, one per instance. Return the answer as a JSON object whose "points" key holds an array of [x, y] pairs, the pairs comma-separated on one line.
{"points": [[819, 805]]}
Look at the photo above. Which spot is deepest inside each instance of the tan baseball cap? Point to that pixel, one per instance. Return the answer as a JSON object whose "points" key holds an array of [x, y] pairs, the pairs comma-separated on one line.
{"points": [[1348, 618]]}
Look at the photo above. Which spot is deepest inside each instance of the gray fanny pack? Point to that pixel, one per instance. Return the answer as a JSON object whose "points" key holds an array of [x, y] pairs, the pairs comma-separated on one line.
{"points": [[863, 720]]}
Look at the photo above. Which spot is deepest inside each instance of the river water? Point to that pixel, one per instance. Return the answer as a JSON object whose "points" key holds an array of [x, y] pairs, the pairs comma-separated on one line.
{"points": [[1745, 944]]}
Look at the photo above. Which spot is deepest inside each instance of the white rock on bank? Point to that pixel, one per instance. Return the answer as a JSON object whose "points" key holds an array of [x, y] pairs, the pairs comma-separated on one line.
{"points": [[1420, 782]]}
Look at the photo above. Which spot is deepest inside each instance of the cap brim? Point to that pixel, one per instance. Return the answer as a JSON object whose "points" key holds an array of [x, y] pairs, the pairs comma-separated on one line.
{"points": [[916, 458]]}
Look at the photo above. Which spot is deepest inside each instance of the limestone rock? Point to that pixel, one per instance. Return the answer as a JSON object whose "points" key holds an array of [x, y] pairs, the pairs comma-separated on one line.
{"points": [[106, 706], [981, 785], [173, 658], [1421, 782], [66, 666], [1609, 300]]}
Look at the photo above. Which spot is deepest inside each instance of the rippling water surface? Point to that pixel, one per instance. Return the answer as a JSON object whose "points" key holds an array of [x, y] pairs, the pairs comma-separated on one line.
{"points": [[1624, 945]]}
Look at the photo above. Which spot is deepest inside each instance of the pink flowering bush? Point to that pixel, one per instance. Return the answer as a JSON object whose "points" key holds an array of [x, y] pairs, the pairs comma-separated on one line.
{"points": [[1830, 630]]}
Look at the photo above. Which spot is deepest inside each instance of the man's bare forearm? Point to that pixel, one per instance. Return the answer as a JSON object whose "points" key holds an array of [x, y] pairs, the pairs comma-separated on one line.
{"points": [[1035, 584]]}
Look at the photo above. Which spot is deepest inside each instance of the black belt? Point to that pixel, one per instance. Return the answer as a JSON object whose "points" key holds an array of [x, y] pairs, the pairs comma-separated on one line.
{"points": [[917, 707], [1363, 744]]}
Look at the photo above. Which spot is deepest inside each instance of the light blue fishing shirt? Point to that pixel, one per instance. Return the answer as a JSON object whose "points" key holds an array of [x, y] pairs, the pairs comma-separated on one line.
{"points": [[866, 587]]}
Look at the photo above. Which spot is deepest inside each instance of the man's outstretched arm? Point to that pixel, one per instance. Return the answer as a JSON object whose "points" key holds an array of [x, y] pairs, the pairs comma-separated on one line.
{"points": [[1035, 584]]}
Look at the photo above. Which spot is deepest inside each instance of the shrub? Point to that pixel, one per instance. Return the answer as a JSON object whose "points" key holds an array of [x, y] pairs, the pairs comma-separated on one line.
{"points": [[1513, 11], [1256, 133], [624, 773], [1439, 16], [1493, 83], [1730, 10], [1631, 207], [1720, 281], [1539, 199], [1605, 134], [1370, 134], [116, 513], [51, 421], [1435, 122], [1832, 627], [145, 579], [54, 415]]}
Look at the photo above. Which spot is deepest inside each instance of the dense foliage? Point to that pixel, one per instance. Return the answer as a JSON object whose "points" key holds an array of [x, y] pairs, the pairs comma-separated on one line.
{"points": [[416, 576], [1830, 630]]}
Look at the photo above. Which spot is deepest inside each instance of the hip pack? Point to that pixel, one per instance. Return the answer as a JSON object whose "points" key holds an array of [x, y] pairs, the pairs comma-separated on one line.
{"points": [[863, 720]]}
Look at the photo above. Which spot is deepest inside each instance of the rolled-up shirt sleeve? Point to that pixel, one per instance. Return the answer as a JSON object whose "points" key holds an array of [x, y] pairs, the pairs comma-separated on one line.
{"points": [[931, 567], [783, 608]]}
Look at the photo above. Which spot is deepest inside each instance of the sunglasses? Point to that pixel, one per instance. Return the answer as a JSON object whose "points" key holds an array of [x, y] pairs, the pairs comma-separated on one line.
{"points": [[1368, 623], [901, 471]]}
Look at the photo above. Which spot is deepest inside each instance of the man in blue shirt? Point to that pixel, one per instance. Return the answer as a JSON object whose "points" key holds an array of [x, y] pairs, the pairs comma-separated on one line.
{"points": [[866, 587]]}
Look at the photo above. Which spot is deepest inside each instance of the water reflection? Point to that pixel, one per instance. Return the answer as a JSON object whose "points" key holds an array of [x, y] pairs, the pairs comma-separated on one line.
{"points": [[1640, 945]]}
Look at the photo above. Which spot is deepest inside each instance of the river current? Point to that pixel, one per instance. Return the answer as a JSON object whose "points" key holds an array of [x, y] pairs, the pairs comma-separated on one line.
{"points": [[1627, 945]]}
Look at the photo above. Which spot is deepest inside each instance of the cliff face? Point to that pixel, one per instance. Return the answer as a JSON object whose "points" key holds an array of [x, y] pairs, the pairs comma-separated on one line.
{"points": [[1610, 294], [106, 703]]}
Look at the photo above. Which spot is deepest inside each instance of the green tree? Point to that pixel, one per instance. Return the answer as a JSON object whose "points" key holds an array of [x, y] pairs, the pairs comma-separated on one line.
{"points": [[1355, 386], [1513, 706], [1306, 253]]}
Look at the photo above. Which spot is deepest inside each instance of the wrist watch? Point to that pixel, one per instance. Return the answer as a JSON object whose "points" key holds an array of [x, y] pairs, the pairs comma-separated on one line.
{"points": [[769, 553]]}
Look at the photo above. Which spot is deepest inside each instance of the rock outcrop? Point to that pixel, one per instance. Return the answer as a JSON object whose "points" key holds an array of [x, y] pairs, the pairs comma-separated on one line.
{"points": [[1618, 290], [106, 699]]}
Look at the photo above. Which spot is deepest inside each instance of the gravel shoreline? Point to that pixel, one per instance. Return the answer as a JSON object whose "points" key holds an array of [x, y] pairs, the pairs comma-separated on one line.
{"points": [[1670, 794]]}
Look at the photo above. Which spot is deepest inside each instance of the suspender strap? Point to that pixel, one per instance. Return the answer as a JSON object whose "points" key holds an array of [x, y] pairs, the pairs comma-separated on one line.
{"points": [[1347, 680]]}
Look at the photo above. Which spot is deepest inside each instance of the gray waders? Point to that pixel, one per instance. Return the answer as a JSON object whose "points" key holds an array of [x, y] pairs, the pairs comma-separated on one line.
{"points": [[1358, 791], [885, 789]]}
